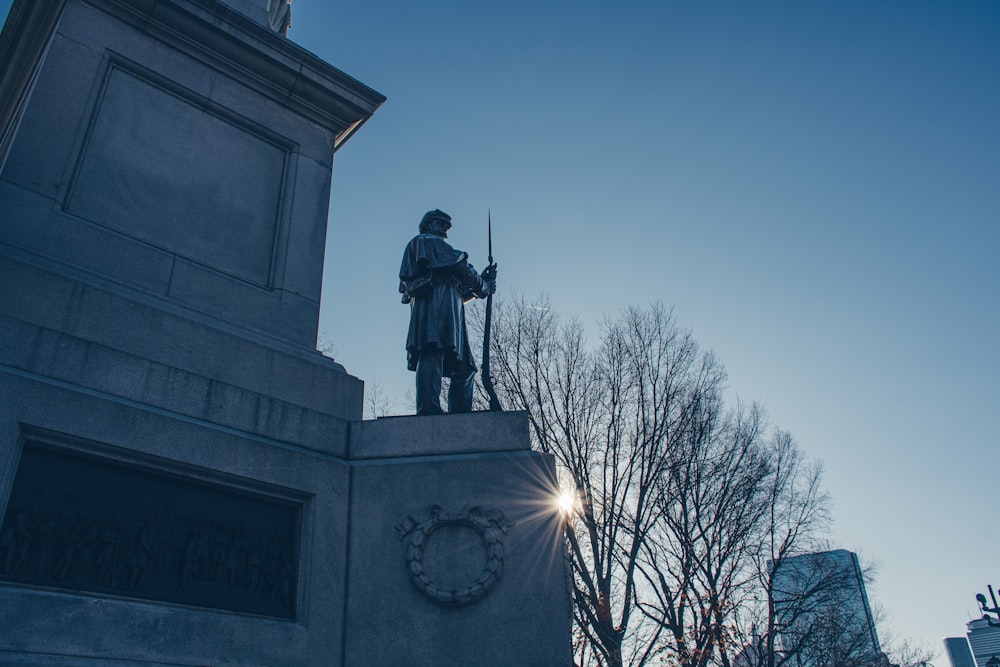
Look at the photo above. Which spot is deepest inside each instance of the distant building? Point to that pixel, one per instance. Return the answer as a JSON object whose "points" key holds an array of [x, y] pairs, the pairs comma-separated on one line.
{"points": [[748, 657], [822, 611], [957, 649], [985, 642]]}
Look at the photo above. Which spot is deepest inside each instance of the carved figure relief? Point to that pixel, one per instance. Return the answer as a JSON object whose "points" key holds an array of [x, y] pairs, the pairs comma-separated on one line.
{"points": [[488, 529], [76, 522]]}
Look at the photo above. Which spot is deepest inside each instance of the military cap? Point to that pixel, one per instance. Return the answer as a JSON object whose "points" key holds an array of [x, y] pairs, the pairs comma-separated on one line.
{"points": [[436, 214]]}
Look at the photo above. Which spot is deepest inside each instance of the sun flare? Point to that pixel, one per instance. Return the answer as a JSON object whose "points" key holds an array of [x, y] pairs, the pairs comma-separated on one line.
{"points": [[566, 501]]}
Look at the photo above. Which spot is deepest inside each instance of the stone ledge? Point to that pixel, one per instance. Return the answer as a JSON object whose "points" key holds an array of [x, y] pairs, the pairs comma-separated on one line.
{"points": [[62, 357], [257, 56], [472, 433], [96, 314], [108, 627]]}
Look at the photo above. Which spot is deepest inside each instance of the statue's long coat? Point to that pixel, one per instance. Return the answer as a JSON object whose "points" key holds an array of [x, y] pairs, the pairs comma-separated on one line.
{"points": [[437, 309]]}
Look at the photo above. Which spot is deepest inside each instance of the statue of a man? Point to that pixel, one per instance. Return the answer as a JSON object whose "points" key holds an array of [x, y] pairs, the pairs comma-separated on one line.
{"points": [[436, 280]]}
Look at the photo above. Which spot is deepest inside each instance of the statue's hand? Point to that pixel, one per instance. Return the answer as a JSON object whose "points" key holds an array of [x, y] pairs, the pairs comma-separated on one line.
{"points": [[490, 273]]}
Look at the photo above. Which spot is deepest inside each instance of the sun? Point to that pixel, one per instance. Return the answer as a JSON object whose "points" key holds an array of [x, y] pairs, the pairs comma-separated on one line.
{"points": [[566, 501]]}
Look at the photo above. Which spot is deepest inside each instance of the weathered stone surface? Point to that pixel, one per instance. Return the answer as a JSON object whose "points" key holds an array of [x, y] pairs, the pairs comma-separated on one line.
{"points": [[184, 480], [96, 525], [67, 624], [178, 152], [177, 338], [146, 203], [476, 432], [523, 619], [221, 178], [59, 356]]}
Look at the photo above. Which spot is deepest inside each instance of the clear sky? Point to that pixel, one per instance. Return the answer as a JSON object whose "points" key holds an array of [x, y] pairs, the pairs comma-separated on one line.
{"points": [[815, 187]]}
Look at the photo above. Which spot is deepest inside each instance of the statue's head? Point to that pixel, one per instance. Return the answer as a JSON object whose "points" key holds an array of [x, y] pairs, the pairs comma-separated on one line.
{"points": [[436, 221]]}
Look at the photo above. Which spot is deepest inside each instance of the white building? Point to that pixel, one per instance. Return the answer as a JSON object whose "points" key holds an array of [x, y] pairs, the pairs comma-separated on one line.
{"points": [[985, 642]]}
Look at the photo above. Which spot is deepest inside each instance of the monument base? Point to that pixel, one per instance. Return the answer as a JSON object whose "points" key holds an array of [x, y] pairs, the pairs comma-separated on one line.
{"points": [[183, 477], [457, 551], [134, 534]]}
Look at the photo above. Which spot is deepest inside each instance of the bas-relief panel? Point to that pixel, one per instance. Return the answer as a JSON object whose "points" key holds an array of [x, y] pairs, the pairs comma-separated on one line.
{"points": [[159, 165], [78, 522]]}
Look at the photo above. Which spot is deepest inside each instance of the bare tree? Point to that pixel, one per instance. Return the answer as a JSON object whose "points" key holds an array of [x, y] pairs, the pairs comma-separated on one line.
{"points": [[688, 512], [378, 402], [712, 505], [325, 344], [815, 612], [669, 483], [798, 515], [812, 618], [587, 408], [903, 652]]}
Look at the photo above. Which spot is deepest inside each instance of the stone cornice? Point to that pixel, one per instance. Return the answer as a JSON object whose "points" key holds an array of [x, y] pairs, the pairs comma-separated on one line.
{"points": [[204, 29], [256, 56]]}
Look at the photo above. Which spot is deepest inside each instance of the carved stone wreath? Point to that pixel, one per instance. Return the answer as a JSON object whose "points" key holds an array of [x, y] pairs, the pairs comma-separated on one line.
{"points": [[491, 526]]}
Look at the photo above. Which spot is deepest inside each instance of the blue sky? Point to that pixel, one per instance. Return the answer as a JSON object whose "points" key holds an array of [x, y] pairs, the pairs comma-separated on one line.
{"points": [[813, 187]]}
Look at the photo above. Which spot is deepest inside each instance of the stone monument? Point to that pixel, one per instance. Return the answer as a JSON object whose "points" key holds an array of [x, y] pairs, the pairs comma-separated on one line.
{"points": [[184, 480]]}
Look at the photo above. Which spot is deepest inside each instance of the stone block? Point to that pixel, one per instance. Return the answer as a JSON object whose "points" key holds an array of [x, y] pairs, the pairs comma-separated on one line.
{"points": [[177, 129], [39, 227], [58, 356], [307, 237], [211, 194], [178, 339], [64, 624], [313, 140], [44, 145], [274, 313], [472, 433], [457, 560], [114, 35]]}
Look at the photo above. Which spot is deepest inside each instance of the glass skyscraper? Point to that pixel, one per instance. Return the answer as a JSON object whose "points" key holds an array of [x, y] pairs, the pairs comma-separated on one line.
{"points": [[822, 610]]}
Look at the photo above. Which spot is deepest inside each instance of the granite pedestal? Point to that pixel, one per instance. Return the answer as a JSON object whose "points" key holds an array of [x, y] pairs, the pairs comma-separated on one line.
{"points": [[184, 479]]}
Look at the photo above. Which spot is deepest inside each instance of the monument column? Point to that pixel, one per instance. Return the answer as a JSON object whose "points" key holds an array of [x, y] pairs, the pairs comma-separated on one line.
{"points": [[173, 480]]}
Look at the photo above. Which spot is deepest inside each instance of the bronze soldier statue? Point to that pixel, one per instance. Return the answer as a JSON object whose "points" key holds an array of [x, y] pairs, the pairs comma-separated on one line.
{"points": [[436, 280]]}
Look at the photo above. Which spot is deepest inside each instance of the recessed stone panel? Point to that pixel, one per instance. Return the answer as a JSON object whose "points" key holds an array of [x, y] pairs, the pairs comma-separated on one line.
{"points": [[99, 526], [165, 167]]}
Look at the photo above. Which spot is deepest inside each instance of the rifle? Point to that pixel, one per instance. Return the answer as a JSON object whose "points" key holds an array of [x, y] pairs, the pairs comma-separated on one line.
{"points": [[487, 377]]}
